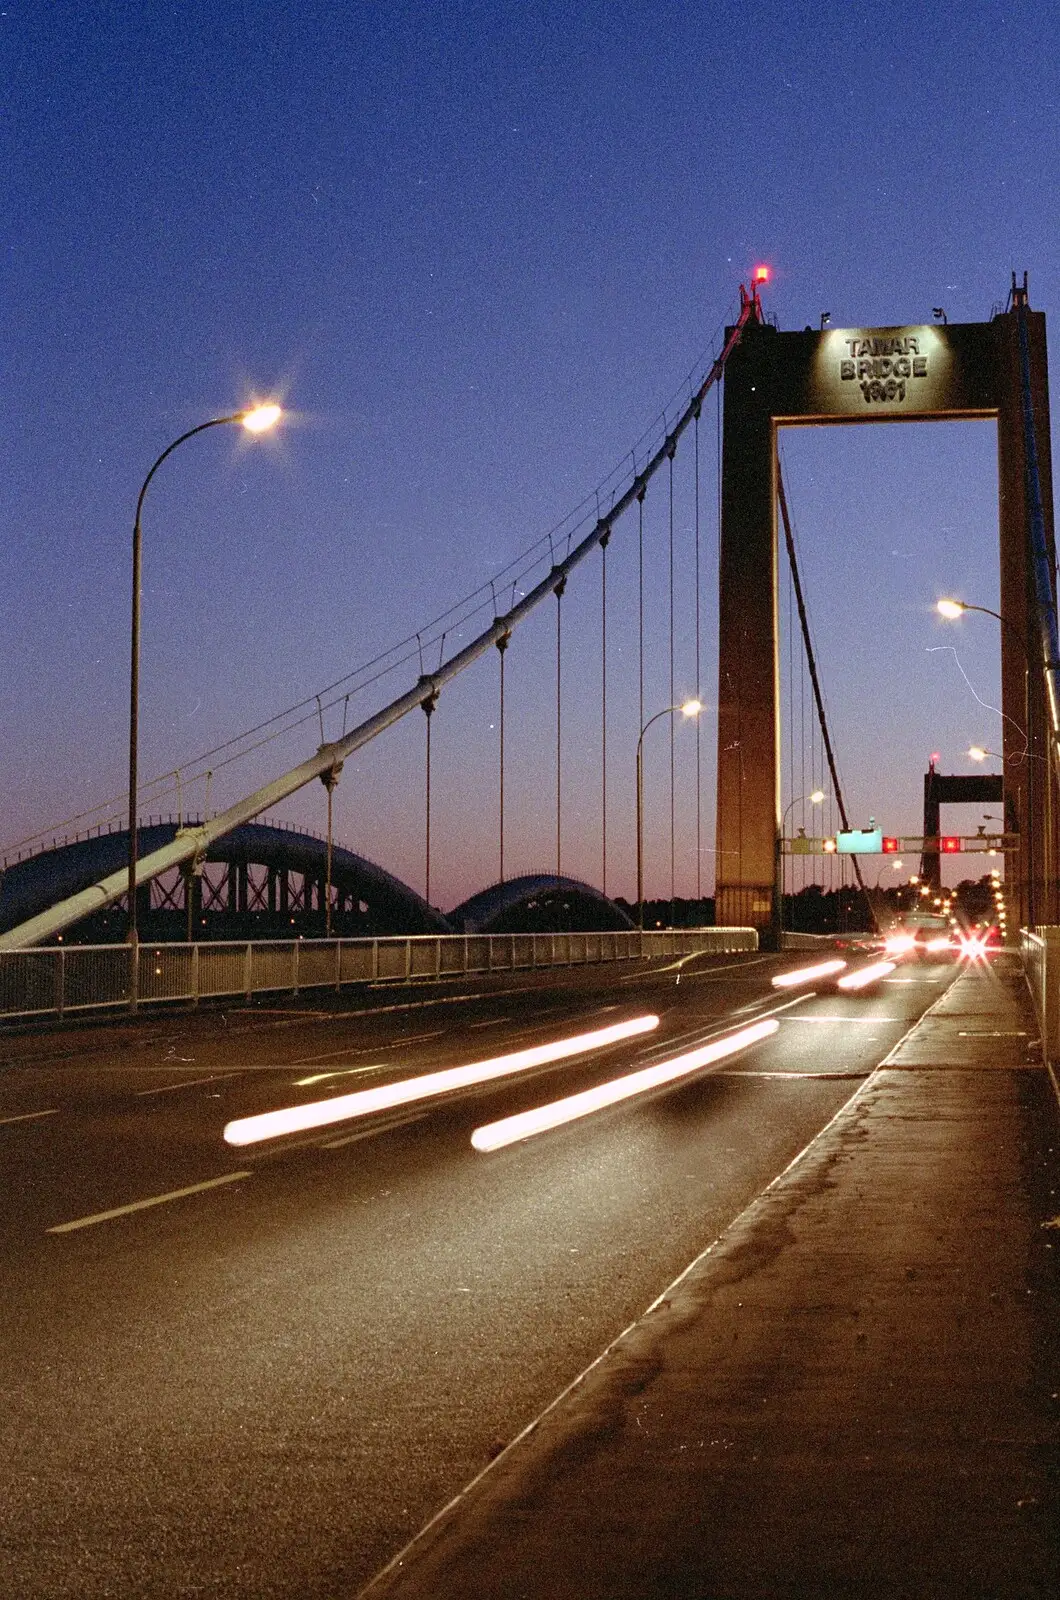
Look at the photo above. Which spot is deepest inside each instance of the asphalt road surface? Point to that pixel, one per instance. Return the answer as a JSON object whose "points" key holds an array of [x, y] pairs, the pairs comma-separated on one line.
{"points": [[265, 1379]]}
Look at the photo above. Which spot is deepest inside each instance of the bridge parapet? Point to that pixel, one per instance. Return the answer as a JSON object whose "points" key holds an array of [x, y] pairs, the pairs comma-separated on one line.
{"points": [[52, 982], [1041, 962]]}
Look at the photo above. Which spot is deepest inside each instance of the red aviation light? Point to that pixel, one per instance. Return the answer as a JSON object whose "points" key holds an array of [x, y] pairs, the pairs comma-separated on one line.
{"points": [[762, 274]]}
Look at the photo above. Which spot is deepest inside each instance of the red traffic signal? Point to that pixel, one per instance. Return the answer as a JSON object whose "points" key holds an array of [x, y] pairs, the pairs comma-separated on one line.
{"points": [[890, 846], [950, 844]]}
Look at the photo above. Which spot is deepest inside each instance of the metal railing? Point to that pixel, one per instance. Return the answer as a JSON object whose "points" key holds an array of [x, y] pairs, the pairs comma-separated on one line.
{"points": [[57, 980], [1041, 962]]}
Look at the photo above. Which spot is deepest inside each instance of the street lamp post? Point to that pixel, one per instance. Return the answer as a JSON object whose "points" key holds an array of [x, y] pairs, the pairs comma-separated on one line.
{"points": [[688, 708], [256, 419], [952, 610], [815, 799]]}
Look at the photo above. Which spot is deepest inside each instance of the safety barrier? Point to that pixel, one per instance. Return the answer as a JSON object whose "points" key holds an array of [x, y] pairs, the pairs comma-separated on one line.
{"points": [[56, 980], [1041, 963]]}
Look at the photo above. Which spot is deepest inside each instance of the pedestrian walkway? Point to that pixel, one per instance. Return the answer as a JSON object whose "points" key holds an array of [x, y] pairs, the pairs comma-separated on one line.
{"points": [[854, 1392]]}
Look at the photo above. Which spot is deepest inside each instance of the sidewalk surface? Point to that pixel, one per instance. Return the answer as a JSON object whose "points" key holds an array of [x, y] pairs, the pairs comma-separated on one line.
{"points": [[854, 1392]]}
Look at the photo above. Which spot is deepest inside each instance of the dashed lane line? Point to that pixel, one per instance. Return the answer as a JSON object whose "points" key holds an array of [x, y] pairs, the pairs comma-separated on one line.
{"points": [[189, 1083], [142, 1205], [371, 1133]]}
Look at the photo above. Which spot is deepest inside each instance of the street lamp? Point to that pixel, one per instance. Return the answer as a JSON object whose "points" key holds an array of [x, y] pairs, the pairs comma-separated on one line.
{"points": [[688, 708], [952, 610], [814, 799], [255, 419]]}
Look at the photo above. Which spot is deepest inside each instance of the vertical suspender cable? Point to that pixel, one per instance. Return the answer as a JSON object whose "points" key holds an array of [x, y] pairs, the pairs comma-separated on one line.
{"points": [[791, 719], [802, 753], [561, 585], [327, 878], [673, 729], [603, 713], [502, 646], [329, 779], [640, 600], [428, 705], [699, 729]]}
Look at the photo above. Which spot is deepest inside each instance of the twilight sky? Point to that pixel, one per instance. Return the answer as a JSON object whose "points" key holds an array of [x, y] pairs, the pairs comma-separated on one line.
{"points": [[477, 248]]}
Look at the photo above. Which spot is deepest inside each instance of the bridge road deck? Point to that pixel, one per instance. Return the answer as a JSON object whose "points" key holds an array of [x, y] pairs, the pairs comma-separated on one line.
{"points": [[854, 1392]]}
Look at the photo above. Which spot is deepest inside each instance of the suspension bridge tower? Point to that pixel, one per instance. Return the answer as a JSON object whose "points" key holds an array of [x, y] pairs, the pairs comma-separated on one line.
{"points": [[995, 369]]}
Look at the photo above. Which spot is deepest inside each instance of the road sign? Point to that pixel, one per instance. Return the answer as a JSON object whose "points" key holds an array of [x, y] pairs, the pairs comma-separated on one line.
{"points": [[912, 844], [859, 842]]}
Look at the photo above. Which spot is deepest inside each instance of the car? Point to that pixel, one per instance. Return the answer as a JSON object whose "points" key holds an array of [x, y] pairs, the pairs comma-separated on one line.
{"points": [[920, 933]]}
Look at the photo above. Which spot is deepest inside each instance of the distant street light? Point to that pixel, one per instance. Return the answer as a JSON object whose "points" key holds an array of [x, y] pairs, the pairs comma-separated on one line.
{"points": [[255, 419], [688, 708]]}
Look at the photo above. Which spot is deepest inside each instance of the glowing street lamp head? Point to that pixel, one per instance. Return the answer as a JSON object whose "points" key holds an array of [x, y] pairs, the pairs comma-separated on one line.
{"points": [[816, 797], [951, 609], [691, 708], [977, 752], [259, 419]]}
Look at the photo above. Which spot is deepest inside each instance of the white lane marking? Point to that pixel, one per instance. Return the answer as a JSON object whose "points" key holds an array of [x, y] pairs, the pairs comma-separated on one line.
{"points": [[870, 1018], [189, 1083], [992, 1033], [142, 1205], [736, 1072], [365, 1049], [337, 1072], [29, 1116], [278, 1011], [371, 1133], [712, 972]]}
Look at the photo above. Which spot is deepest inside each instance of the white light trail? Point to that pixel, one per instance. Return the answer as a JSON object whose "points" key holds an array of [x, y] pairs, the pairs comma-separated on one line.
{"points": [[495, 1135], [823, 969], [322, 1113], [863, 976]]}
